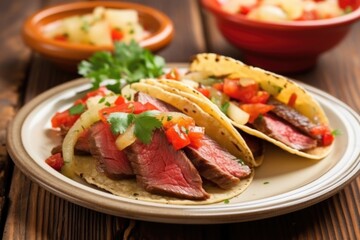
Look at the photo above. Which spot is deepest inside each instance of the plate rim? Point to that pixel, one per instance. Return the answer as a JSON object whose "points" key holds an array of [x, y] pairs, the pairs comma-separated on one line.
{"points": [[179, 214]]}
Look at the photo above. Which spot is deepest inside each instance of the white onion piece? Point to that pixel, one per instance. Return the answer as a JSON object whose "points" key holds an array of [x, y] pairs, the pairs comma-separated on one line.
{"points": [[86, 119], [126, 139], [237, 114]]}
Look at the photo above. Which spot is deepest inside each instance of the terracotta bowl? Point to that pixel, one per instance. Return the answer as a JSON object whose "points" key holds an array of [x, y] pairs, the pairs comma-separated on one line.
{"points": [[68, 55], [286, 47]]}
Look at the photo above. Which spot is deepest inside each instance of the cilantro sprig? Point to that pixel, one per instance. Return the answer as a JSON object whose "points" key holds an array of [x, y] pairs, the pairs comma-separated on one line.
{"points": [[144, 124], [127, 64]]}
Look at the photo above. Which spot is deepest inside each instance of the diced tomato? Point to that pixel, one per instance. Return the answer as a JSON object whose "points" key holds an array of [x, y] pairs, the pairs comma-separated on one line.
{"points": [[196, 135], [326, 136], [55, 161], [116, 34], [204, 91], [327, 139], [98, 92], [260, 97], [256, 109], [319, 130], [150, 106], [61, 37], [129, 107], [177, 137], [183, 122], [120, 100], [244, 10], [345, 4], [218, 86], [292, 100], [243, 93], [173, 74], [64, 119], [309, 15], [101, 91]]}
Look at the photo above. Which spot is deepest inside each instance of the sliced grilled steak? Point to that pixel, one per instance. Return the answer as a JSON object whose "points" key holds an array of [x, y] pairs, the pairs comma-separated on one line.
{"points": [[112, 162], [82, 146], [160, 105], [216, 164], [255, 144], [292, 116], [160, 169], [284, 132]]}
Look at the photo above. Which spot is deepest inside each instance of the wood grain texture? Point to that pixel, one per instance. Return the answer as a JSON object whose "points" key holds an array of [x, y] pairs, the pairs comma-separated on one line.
{"points": [[34, 213], [13, 69]]}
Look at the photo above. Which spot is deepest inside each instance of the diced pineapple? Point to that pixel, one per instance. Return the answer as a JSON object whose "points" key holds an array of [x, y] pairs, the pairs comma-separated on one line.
{"points": [[76, 29], [99, 34], [121, 18], [268, 13]]}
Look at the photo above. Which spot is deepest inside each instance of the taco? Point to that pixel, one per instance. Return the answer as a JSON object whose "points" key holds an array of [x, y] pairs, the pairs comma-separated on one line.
{"points": [[258, 102], [146, 149]]}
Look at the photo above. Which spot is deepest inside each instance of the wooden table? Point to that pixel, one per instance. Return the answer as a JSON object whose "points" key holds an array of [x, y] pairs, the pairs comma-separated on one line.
{"points": [[30, 212]]}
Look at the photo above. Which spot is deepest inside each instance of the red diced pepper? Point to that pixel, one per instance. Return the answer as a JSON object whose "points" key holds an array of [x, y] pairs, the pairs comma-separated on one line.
{"points": [[218, 86], [204, 91], [129, 107], [292, 100], [177, 137], [196, 135], [120, 100], [243, 93], [327, 139], [173, 74], [55, 161], [256, 109], [64, 119], [116, 34]]}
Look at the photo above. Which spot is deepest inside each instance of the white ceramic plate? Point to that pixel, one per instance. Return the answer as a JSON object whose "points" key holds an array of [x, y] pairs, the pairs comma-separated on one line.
{"points": [[284, 183]]}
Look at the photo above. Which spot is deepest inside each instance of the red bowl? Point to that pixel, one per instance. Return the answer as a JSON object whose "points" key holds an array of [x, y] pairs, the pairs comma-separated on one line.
{"points": [[284, 47], [68, 55]]}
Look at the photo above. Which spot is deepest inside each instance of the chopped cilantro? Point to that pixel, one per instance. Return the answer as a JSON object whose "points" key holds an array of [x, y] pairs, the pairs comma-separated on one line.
{"points": [[224, 107], [226, 201], [85, 26], [169, 118], [120, 121], [77, 109], [336, 132], [127, 64], [102, 100], [145, 123]]}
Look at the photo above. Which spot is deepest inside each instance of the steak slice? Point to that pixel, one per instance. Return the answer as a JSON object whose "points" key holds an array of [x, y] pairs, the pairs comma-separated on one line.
{"points": [[160, 105], [292, 116], [284, 132], [113, 162], [255, 144], [216, 164], [160, 169]]}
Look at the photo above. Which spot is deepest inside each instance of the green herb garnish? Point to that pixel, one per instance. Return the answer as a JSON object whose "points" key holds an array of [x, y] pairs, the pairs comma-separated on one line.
{"points": [[77, 109], [226, 201], [127, 64], [336, 132], [224, 107], [145, 124]]}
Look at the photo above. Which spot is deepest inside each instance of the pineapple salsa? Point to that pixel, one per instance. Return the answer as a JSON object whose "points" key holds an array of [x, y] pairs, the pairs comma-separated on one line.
{"points": [[288, 10], [100, 28]]}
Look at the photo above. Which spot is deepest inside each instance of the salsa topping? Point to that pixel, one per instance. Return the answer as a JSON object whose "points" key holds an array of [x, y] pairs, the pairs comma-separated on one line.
{"points": [[102, 27], [287, 10]]}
